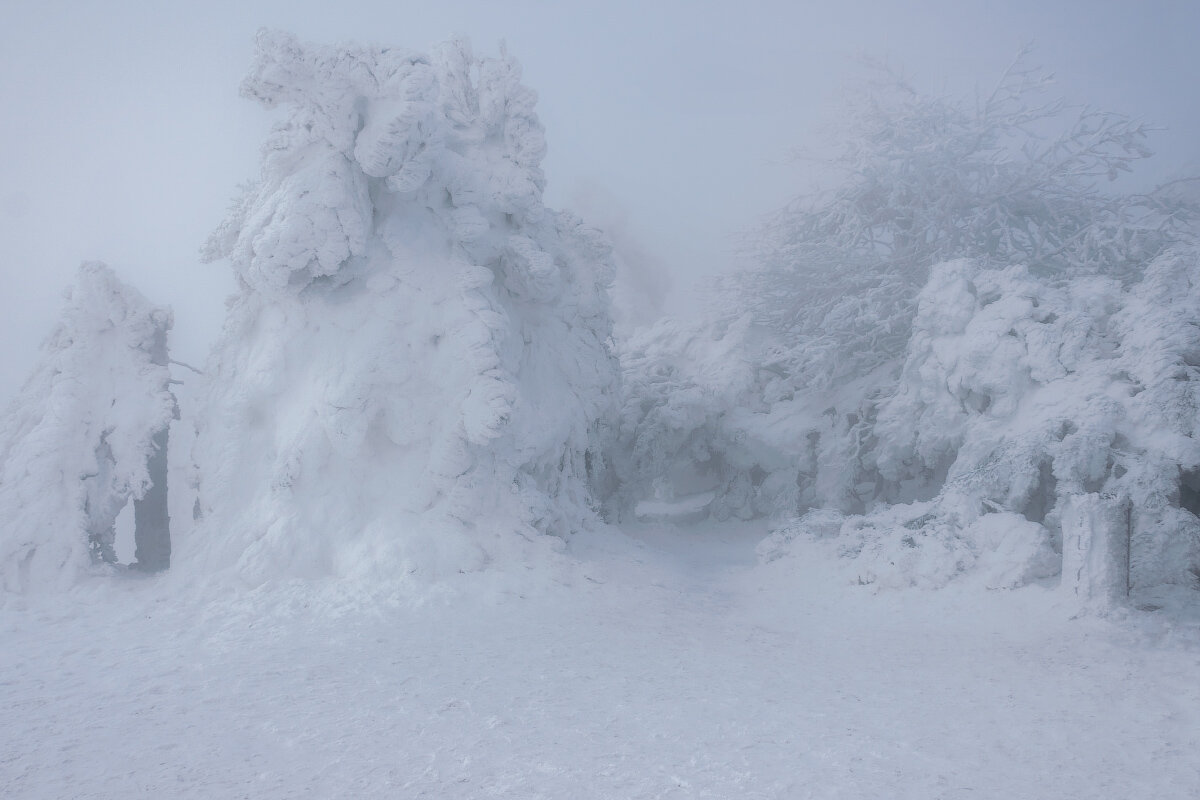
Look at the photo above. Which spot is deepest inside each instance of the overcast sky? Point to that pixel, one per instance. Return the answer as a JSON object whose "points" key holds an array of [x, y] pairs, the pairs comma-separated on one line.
{"points": [[124, 137]]}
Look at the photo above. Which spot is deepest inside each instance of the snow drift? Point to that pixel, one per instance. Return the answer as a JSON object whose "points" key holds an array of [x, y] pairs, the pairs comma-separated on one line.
{"points": [[415, 371], [78, 441]]}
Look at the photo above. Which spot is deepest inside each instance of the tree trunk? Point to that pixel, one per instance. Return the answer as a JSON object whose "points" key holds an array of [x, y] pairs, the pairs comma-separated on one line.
{"points": [[152, 525]]}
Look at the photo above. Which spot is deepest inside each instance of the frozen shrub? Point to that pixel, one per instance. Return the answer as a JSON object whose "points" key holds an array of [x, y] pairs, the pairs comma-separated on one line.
{"points": [[686, 392], [712, 408], [966, 335]]}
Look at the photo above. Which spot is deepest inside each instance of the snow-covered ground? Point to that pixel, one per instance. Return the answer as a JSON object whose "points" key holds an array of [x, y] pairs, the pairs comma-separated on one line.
{"points": [[662, 662]]}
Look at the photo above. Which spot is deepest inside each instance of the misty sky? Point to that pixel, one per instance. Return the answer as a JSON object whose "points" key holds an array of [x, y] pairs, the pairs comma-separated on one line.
{"points": [[124, 137]]}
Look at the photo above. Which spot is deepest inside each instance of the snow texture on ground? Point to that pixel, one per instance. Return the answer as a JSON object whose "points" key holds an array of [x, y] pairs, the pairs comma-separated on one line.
{"points": [[659, 663]]}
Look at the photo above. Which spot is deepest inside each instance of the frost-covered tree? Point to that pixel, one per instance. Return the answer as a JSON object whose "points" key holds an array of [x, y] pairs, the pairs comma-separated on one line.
{"points": [[87, 434], [1008, 177], [825, 316], [415, 372]]}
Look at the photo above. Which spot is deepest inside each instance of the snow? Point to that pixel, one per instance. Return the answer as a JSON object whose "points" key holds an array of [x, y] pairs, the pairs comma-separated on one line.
{"points": [[692, 419], [659, 662], [1045, 399]]}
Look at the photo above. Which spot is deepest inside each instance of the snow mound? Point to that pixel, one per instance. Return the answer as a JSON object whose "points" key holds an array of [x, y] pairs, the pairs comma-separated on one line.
{"points": [[76, 442], [415, 374]]}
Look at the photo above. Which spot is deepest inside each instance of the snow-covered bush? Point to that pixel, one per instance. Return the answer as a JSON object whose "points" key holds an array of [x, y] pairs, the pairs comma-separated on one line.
{"points": [[78, 441], [1046, 416], [416, 369], [925, 544]]}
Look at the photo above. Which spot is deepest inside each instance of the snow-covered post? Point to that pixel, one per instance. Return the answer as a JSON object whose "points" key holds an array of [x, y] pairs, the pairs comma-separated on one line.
{"points": [[87, 434], [1095, 528]]}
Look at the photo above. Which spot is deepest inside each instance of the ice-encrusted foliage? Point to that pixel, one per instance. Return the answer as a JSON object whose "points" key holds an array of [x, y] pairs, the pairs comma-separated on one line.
{"points": [[76, 441], [1007, 178], [847, 374], [417, 363], [1034, 402]]}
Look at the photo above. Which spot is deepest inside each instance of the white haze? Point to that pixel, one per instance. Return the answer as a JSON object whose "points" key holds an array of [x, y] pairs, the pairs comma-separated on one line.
{"points": [[125, 138]]}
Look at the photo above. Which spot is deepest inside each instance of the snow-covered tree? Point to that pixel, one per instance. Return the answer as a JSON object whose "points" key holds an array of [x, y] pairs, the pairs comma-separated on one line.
{"points": [[87, 434], [1008, 177], [1040, 425], [416, 367]]}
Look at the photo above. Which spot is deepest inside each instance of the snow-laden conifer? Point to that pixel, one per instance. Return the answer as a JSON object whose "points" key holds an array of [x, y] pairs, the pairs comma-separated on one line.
{"points": [[416, 364]]}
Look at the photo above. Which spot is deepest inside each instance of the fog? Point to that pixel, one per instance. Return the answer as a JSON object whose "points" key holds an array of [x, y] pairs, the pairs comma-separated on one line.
{"points": [[125, 138]]}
